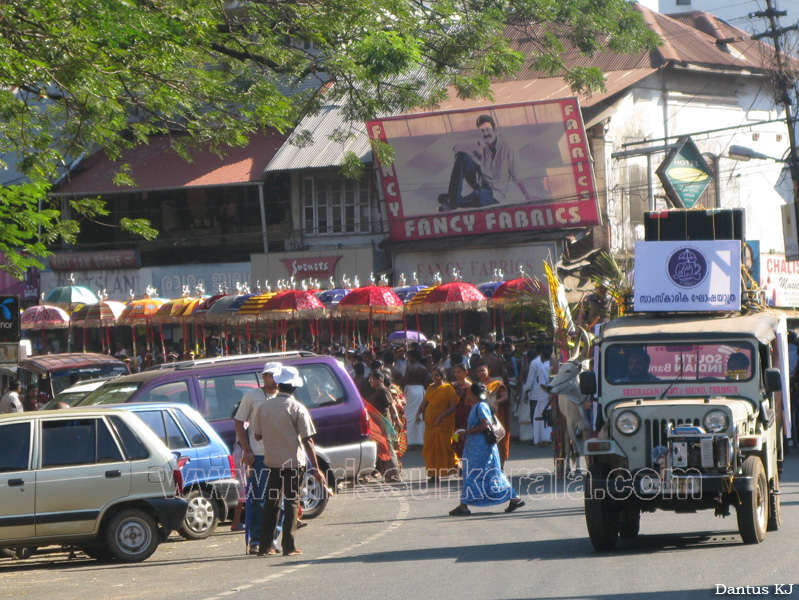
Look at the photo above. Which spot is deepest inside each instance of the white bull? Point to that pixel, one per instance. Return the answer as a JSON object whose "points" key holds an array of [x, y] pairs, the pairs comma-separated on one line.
{"points": [[571, 403]]}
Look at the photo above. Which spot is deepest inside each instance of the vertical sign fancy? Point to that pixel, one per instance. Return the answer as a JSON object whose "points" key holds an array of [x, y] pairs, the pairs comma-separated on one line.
{"points": [[496, 169]]}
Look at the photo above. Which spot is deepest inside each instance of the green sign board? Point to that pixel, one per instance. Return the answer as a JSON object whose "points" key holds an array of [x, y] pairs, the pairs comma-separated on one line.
{"points": [[684, 174]]}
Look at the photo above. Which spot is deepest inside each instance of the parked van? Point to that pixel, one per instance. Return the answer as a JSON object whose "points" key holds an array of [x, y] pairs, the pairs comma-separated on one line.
{"points": [[215, 386], [52, 373]]}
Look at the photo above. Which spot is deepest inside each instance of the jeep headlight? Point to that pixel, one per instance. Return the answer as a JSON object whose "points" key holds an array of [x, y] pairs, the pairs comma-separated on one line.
{"points": [[628, 422], [715, 421]]}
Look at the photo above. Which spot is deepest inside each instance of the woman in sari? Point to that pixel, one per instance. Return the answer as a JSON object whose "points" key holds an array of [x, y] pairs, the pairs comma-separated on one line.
{"points": [[484, 483], [382, 401], [499, 401], [438, 411], [462, 408]]}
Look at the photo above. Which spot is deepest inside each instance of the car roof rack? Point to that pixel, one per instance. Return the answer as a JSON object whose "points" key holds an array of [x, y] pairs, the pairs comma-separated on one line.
{"points": [[188, 364]]}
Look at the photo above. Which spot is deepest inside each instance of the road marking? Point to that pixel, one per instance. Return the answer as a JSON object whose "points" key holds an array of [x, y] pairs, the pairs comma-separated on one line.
{"points": [[402, 514]]}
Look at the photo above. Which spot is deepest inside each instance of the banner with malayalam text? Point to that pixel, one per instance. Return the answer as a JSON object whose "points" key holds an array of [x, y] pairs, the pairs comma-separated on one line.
{"points": [[687, 276]]}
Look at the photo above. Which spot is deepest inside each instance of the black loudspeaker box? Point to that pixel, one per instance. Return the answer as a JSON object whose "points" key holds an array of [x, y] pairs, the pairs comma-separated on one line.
{"points": [[694, 225]]}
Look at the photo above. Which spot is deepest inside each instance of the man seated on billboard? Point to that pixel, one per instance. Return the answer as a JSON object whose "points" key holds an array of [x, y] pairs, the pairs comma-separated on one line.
{"points": [[487, 164]]}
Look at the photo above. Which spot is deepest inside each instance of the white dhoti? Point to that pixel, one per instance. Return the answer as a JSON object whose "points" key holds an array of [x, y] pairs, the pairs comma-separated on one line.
{"points": [[414, 396], [541, 432]]}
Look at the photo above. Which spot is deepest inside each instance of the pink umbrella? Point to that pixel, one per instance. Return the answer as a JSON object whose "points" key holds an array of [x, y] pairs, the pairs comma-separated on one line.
{"points": [[44, 316]]}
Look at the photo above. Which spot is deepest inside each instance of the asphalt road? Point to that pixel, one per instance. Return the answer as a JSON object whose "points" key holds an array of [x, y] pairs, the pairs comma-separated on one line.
{"points": [[379, 541]]}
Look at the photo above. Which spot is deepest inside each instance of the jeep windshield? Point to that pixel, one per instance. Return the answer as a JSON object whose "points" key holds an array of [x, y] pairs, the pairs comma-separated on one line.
{"points": [[111, 393], [650, 363]]}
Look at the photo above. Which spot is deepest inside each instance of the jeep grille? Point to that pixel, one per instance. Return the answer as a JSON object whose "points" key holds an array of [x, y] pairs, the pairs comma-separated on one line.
{"points": [[656, 432]]}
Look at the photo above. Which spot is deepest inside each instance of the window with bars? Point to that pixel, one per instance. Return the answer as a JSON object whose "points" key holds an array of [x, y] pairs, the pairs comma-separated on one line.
{"points": [[334, 205]]}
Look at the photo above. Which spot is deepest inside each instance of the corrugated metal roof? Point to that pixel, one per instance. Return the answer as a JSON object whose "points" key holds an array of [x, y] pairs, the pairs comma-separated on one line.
{"points": [[322, 151], [157, 166]]}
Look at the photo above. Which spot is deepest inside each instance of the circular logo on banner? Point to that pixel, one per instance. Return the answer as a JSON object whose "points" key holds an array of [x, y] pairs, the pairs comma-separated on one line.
{"points": [[687, 267]]}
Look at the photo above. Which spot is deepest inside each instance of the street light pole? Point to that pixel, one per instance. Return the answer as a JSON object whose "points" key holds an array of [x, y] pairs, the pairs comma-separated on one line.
{"points": [[784, 82]]}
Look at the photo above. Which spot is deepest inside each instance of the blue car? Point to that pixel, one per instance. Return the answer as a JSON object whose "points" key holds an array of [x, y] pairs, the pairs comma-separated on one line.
{"points": [[209, 475]]}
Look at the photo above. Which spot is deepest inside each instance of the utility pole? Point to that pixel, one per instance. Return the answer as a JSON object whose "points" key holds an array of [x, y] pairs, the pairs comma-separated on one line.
{"points": [[784, 81]]}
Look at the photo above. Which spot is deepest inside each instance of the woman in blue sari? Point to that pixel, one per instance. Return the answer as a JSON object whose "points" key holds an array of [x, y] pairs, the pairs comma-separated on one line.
{"points": [[484, 483]]}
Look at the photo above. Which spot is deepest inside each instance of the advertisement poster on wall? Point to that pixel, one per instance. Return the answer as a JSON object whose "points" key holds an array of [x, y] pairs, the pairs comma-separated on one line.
{"points": [[518, 167], [779, 280]]}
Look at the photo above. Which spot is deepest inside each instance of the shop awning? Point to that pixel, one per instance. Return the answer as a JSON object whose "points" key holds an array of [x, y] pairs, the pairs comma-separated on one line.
{"points": [[157, 166]]}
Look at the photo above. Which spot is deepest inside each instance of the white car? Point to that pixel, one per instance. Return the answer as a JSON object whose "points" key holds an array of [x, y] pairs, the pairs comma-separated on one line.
{"points": [[95, 478]]}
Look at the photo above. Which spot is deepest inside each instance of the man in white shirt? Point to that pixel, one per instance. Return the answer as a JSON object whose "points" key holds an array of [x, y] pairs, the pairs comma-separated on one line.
{"points": [[10, 402], [253, 450], [537, 378]]}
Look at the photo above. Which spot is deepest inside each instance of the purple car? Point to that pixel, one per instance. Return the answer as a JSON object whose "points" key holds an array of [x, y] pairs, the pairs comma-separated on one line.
{"points": [[215, 386]]}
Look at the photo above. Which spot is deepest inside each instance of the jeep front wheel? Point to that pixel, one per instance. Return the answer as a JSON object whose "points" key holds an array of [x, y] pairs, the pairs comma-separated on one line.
{"points": [[753, 509], [601, 514], [131, 535]]}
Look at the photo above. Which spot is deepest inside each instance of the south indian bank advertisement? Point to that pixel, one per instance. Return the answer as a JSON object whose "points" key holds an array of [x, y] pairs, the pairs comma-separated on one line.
{"points": [[496, 169]]}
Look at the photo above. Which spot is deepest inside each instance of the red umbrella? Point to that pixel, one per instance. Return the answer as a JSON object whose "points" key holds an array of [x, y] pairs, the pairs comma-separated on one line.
{"points": [[371, 300], [293, 304], [517, 290], [452, 296]]}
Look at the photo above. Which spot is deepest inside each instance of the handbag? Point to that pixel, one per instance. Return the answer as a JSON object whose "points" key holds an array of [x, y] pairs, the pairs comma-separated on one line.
{"points": [[495, 432]]}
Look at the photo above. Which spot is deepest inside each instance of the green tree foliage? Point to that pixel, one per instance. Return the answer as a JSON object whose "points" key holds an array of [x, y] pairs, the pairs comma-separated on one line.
{"points": [[77, 75]]}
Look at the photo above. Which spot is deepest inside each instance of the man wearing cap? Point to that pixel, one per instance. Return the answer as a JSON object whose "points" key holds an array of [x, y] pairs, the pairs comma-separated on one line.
{"points": [[285, 426], [253, 450]]}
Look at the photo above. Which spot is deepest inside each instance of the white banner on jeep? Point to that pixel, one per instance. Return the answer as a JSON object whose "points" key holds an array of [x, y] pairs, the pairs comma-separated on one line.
{"points": [[687, 276]]}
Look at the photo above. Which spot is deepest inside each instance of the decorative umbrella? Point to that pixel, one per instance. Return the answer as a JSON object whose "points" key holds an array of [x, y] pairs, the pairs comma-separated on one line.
{"points": [[489, 288], [102, 314], [294, 304], [372, 301], [455, 296], [98, 314], [170, 311], [408, 292], [452, 296], [43, 316], [70, 295], [516, 290], [200, 312], [406, 337], [332, 297], [141, 312]]}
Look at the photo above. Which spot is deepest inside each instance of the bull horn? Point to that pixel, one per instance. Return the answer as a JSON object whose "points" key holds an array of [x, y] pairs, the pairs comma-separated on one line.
{"points": [[583, 347]]}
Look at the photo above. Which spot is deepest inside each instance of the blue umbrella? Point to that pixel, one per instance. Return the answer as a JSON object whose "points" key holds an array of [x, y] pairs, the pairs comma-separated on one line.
{"points": [[331, 297], [403, 337], [488, 288], [405, 293]]}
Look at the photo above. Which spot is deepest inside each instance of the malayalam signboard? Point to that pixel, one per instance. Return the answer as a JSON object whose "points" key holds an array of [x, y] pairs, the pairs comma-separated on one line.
{"points": [[518, 167], [688, 276]]}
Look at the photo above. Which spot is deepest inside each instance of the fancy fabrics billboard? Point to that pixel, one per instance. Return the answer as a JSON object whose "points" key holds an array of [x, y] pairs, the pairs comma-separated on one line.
{"points": [[518, 167]]}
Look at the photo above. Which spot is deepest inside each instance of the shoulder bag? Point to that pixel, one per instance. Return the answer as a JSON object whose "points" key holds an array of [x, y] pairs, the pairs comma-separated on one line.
{"points": [[495, 432]]}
